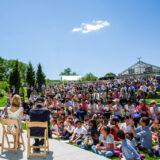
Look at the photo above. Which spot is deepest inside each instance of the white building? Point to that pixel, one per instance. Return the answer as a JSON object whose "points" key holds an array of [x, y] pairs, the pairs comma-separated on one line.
{"points": [[71, 78]]}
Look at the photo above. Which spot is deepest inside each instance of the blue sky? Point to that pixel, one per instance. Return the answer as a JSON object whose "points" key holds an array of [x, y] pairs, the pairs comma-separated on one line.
{"points": [[97, 36]]}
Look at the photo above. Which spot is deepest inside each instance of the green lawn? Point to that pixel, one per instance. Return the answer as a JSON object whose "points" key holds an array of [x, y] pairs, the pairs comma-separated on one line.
{"points": [[24, 126], [3, 101], [157, 100]]}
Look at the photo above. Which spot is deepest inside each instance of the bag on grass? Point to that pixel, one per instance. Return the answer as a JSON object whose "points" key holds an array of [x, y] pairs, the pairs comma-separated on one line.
{"points": [[87, 141]]}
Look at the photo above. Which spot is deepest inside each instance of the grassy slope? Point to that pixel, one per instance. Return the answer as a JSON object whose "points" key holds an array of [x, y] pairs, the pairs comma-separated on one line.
{"points": [[3, 101]]}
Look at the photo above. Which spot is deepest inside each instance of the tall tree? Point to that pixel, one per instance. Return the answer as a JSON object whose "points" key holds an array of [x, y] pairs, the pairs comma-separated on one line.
{"points": [[14, 77], [2, 69], [22, 69], [40, 76], [30, 77]]}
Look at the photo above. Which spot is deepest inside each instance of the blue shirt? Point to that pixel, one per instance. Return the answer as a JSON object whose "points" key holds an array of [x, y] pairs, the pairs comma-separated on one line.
{"points": [[129, 151], [145, 135], [118, 113], [153, 115]]}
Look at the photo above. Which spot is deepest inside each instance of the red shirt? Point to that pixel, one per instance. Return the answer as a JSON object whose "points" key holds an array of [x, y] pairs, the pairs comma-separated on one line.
{"points": [[115, 134]]}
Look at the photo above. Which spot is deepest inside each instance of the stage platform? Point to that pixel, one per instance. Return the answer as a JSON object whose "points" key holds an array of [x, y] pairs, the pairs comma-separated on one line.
{"points": [[58, 151]]}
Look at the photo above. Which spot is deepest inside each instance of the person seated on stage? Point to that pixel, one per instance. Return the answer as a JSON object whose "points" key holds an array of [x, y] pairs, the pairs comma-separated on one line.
{"points": [[128, 150], [39, 114], [105, 145], [15, 112], [79, 134]]}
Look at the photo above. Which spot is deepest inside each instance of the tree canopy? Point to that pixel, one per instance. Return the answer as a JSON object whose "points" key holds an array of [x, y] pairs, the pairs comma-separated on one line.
{"points": [[110, 75], [89, 77], [68, 72]]}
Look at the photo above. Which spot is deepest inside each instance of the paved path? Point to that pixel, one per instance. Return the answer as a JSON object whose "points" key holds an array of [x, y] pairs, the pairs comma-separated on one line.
{"points": [[58, 151]]}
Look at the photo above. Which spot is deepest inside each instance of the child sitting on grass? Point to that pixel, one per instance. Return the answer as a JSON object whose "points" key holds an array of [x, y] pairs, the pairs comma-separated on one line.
{"points": [[79, 134], [128, 150], [105, 145], [61, 129], [68, 130], [54, 128]]}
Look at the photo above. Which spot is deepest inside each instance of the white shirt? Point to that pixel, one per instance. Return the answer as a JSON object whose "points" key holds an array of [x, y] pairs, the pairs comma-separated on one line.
{"points": [[130, 109], [75, 120], [80, 131], [75, 106], [55, 128], [126, 128], [71, 128], [91, 106], [109, 140], [118, 113]]}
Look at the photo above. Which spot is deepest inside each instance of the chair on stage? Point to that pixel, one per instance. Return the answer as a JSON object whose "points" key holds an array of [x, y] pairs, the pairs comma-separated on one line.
{"points": [[11, 127], [44, 125]]}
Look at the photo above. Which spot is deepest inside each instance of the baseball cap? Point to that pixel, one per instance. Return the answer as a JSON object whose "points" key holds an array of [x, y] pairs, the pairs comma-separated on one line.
{"points": [[115, 119], [142, 101]]}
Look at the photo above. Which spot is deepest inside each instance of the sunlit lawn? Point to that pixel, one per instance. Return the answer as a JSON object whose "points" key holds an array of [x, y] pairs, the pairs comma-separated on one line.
{"points": [[3, 101]]}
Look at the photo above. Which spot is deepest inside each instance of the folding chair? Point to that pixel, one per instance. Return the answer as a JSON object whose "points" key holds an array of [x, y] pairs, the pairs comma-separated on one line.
{"points": [[13, 123], [46, 141]]}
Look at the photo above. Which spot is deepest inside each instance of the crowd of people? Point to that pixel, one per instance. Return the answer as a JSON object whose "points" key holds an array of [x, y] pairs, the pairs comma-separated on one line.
{"points": [[111, 117]]}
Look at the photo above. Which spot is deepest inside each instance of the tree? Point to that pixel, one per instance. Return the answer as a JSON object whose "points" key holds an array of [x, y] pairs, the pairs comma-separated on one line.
{"points": [[89, 77], [110, 75], [40, 76], [68, 72], [22, 69], [2, 69], [30, 77], [14, 77], [74, 73]]}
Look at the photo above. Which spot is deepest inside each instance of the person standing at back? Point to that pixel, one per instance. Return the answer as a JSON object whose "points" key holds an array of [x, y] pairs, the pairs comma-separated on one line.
{"points": [[39, 114]]}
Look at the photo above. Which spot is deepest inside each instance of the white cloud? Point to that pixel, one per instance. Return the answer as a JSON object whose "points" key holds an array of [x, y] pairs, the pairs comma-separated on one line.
{"points": [[96, 25]]}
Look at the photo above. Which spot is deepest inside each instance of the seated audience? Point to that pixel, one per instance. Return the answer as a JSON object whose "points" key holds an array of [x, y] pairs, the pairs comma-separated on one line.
{"points": [[128, 150], [143, 133], [105, 146]]}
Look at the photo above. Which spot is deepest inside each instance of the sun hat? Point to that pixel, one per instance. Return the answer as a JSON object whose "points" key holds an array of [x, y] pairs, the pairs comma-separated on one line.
{"points": [[153, 102]]}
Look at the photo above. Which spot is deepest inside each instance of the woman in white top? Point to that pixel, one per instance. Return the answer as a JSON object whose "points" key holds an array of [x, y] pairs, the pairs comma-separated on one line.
{"points": [[15, 112]]}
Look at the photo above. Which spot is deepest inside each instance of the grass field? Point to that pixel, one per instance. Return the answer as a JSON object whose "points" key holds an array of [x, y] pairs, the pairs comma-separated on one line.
{"points": [[147, 157], [3, 101], [157, 100]]}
